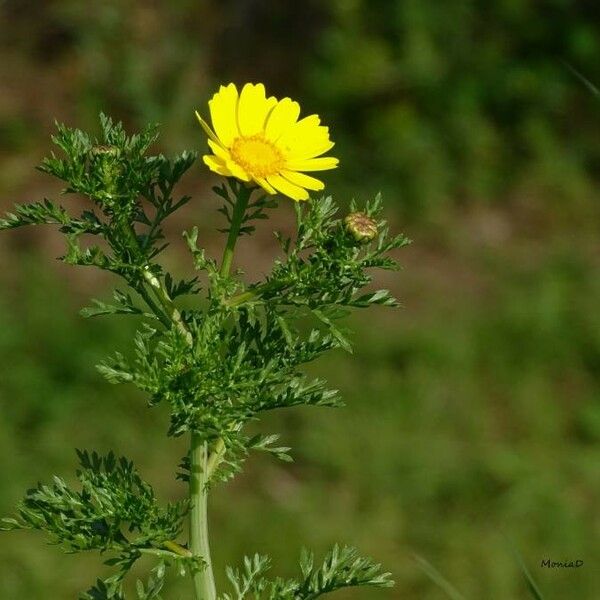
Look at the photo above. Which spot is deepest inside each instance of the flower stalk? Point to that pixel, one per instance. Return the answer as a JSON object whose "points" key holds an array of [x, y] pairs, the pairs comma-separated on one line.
{"points": [[203, 463], [239, 210]]}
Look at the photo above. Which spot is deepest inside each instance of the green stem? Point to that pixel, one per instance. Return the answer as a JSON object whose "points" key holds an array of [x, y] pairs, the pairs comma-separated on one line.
{"points": [[136, 247], [203, 578], [204, 582], [215, 458], [159, 291], [255, 293], [167, 312], [239, 210], [202, 465], [241, 298], [174, 550], [162, 317]]}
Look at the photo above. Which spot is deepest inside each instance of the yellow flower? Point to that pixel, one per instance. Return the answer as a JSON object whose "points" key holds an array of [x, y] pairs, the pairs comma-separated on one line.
{"points": [[260, 139]]}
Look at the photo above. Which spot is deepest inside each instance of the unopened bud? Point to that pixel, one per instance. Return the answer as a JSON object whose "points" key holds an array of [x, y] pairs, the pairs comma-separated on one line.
{"points": [[107, 168], [104, 151], [361, 226]]}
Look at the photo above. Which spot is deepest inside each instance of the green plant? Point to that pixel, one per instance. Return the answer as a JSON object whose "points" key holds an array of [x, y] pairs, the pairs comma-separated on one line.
{"points": [[219, 365]]}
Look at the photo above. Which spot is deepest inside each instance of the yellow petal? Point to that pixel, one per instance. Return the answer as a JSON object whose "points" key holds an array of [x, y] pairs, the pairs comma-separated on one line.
{"points": [[223, 113], [284, 114], [305, 139], [323, 163], [215, 164], [264, 184], [310, 147], [302, 180], [253, 108], [209, 132], [217, 149], [287, 188], [308, 124], [237, 170]]}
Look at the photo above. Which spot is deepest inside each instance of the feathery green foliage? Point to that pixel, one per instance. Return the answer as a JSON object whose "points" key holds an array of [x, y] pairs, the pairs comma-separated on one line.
{"points": [[342, 567], [238, 352]]}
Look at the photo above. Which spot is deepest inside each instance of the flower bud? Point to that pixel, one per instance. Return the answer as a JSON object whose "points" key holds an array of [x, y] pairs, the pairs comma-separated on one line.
{"points": [[360, 226], [107, 168], [104, 151]]}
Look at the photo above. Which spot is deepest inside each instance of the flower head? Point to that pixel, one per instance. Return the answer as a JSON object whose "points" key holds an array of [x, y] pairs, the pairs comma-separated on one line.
{"points": [[361, 226], [259, 139]]}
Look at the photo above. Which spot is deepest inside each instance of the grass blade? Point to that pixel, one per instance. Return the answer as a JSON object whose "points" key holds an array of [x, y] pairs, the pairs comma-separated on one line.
{"points": [[438, 578], [584, 80], [531, 584]]}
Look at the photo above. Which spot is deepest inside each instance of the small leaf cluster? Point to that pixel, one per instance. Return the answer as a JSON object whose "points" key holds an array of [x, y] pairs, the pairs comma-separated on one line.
{"points": [[342, 567], [239, 364], [114, 511], [325, 266], [131, 193], [113, 590]]}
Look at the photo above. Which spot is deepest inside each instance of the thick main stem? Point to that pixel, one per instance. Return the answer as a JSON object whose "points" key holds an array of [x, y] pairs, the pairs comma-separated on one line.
{"points": [[203, 578], [204, 582], [201, 465]]}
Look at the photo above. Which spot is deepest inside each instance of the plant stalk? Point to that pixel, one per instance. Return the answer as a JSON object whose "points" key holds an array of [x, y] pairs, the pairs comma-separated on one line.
{"points": [[239, 210], [203, 578], [202, 465], [241, 298]]}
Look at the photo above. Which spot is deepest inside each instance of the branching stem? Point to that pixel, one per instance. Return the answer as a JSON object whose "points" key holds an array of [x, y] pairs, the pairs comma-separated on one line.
{"points": [[241, 298], [163, 297], [202, 462], [203, 578], [202, 465]]}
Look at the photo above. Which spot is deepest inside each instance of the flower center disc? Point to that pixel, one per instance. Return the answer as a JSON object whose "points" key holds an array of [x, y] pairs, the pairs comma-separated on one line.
{"points": [[256, 155]]}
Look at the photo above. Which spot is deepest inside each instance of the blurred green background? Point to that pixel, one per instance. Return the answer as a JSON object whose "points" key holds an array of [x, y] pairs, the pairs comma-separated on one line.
{"points": [[473, 418]]}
